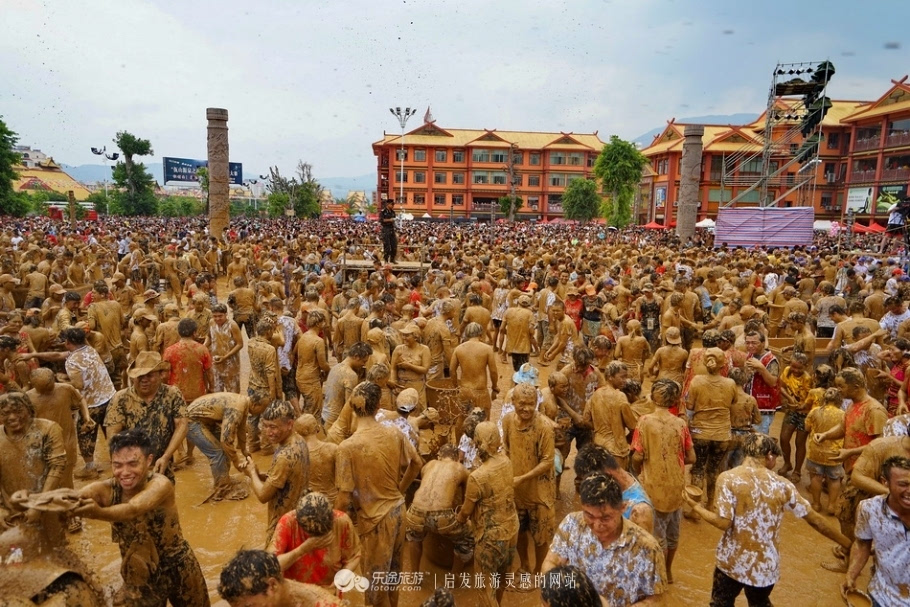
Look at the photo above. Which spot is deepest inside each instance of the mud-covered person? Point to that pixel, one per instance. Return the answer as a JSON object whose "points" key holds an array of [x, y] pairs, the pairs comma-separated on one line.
{"points": [[433, 509], [32, 454], [217, 427], [287, 478], [489, 504], [386, 464], [253, 579], [158, 565]]}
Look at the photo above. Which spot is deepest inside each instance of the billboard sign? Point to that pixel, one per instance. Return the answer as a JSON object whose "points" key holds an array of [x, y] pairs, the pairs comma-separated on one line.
{"points": [[660, 197], [183, 170], [888, 196], [859, 200]]}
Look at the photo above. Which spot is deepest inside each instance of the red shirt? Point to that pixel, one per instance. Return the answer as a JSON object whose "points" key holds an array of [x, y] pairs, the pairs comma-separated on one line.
{"points": [[189, 362], [320, 566]]}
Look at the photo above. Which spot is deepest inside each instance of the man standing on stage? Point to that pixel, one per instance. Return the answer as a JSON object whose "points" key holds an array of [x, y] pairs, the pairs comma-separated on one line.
{"points": [[389, 238]]}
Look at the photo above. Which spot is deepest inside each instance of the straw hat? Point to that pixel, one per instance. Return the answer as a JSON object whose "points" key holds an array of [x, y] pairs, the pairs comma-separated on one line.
{"points": [[673, 336], [145, 363]]}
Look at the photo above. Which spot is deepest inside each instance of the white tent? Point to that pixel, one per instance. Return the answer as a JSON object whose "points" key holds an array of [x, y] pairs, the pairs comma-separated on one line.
{"points": [[707, 222], [821, 225], [426, 216], [406, 217]]}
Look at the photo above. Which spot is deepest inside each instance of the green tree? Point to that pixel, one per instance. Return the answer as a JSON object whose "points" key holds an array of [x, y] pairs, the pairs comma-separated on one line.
{"points": [[101, 200], [10, 202], [618, 167], [509, 205], [581, 201], [203, 174], [137, 188], [303, 190], [277, 203]]}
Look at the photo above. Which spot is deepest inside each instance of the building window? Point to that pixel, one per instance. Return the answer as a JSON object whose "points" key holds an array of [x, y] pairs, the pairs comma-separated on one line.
{"points": [[557, 179], [403, 176], [833, 141], [499, 178], [457, 155], [576, 159], [750, 167], [498, 156], [458, 200], [557, 157], [442, 155], [420, 177], [439, 200], [517, 158], [826, 201], [793, 148], [534, 203], [570, 177], [592, 158], [534, 180], [439, 178], [516, 179], [457, 178], [554, 203], [420, 199], [663, 166], [534, 158], [480, 177], [399, 153], [420, 155], [480, 155]]}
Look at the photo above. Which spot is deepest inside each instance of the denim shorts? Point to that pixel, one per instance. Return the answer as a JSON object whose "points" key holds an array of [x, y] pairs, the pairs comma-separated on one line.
{"points": [[835, 472]]}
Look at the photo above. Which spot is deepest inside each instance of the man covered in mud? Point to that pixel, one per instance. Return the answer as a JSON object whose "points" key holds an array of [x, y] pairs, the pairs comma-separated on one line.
{"points": [[288, 477], [217, 426], [32, 453], [158, 566], [529, 443], [314, 542], [489, 505], [373, 469], [477, 361], [253, 579], [152, 406], [433, 509]]}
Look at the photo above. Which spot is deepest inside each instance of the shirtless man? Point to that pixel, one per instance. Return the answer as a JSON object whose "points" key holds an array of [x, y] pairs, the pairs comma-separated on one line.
{"points": [[566, 336], [57, 402], [312, 363], [669, 362], [171, 276], [158, 564], [608, 413], [254, 577], [476, 312], [476, 360], [433, 509], [322, 455]]}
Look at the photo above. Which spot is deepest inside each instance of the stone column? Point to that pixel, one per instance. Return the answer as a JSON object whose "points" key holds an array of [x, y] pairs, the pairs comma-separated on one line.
{"points": [[689, 179], [219, 179]]}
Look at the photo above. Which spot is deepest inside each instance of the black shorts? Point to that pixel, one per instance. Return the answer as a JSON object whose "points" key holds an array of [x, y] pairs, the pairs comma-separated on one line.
{"points": [[497, 322], [518, 360]]}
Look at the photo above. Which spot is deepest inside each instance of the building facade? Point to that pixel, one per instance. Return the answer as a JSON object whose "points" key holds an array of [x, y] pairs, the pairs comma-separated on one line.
{"points": [[863, 162], [462, 173]]}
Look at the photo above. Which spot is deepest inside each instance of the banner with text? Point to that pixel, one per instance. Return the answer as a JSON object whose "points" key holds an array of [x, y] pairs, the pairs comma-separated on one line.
{"points": [[184, 170]]}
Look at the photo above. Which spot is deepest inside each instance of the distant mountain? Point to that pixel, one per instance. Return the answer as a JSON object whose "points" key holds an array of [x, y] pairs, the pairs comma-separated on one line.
{"points": [[339, 186], [646, 139]]}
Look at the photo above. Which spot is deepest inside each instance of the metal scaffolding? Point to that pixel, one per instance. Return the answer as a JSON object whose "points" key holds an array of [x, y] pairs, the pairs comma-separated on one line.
{"points": [[797, 103]]}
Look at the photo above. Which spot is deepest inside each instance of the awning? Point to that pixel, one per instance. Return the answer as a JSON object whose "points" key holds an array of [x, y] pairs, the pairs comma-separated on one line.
{"points": [[707, 222], [654, 226]]}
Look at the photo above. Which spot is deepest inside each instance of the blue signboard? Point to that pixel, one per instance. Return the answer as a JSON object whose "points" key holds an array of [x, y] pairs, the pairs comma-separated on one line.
{"points": [[184, 170]]}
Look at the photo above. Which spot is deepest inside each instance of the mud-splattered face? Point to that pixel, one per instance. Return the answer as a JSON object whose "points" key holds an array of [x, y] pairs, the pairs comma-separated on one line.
{"points": [[898, 483], [147, 385], [15, 419], [219, 318], [277, 430], [605, 521], [130, 467], [525, 404]]}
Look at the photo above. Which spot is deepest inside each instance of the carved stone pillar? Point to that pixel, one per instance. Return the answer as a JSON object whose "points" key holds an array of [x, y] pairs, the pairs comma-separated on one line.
{"points": [[219, 179], [689, 179]]}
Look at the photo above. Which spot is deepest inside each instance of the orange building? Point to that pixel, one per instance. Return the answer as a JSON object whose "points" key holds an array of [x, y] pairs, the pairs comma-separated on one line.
{"points": [[864, 153], [464, 172]]}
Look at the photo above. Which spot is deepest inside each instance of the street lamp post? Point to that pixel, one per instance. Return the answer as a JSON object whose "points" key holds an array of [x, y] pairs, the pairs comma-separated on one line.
{"points": [[113, 156], [402, 120]]}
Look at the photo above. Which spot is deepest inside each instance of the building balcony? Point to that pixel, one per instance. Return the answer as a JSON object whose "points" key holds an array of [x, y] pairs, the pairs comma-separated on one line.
{"points": [[897, 139], [862, 176], [862, 145], [896, 174]]}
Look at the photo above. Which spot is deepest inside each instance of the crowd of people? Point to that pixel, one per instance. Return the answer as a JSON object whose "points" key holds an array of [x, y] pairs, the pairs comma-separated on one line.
{"points": [[666, 363]]}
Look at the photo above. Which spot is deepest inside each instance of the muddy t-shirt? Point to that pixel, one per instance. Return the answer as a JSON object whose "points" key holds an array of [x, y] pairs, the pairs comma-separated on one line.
{"points": [[664, 441], [820, 420], [713, 396], [189, 362], [754, 499], [527, 448], [490, 489], [609, 412], [319, 566], [862, 422], [26, 462], [289, 475]]}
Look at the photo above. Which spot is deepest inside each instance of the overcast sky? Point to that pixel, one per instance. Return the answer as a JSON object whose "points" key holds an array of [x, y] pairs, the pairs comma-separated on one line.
{"points": [[314, 80]]}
